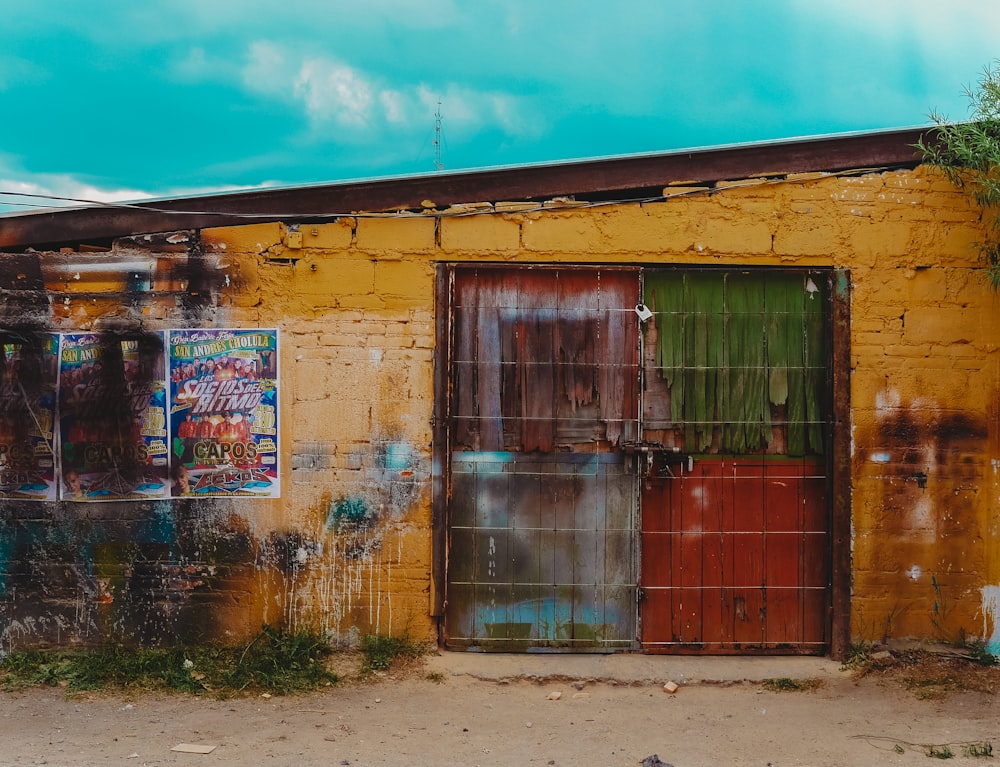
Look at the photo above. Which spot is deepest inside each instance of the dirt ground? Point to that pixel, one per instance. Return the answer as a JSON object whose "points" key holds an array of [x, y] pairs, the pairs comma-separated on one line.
{"points": [[425, 714]]}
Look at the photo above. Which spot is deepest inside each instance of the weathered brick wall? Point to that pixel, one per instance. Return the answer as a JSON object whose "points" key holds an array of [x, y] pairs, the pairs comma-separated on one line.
{"points": [[348, 546], [354, 307], [923, 378]]}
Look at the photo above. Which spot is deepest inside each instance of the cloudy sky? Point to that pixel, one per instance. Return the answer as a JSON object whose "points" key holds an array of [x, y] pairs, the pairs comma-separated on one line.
{"points": [[119, 99]]}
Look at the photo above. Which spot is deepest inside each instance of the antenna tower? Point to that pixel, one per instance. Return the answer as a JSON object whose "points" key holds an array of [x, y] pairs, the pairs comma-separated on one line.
{"points": [[438, 165]]}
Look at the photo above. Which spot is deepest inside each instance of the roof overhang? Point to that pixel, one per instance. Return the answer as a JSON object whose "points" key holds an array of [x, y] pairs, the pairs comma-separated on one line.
{"points": [[584, 178]]}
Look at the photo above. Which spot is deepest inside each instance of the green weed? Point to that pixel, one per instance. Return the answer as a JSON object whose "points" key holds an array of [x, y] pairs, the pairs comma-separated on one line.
{"points": [[274, 661], [940, 752], [860, 654], [380, 651], [977, 653]]}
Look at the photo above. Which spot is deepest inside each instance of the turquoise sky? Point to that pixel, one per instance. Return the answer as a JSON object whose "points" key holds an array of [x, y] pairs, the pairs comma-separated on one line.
{"points": [[111, 100]]}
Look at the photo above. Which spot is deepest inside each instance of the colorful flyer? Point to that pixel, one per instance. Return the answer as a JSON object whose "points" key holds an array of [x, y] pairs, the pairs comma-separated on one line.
{"points": [[28, 371], [112, 417], [224, 413]]}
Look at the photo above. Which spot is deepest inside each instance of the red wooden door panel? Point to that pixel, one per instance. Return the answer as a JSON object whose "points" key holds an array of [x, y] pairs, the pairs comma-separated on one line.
{"points": [[734, 557]]}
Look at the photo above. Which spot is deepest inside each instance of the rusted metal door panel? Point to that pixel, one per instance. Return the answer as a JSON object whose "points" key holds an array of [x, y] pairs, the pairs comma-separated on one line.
{"points": [[543, 554], [542, 509], [734, 557]]}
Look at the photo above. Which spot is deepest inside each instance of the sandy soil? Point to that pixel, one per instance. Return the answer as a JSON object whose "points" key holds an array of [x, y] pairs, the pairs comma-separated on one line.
{"points": [[406, 718]]}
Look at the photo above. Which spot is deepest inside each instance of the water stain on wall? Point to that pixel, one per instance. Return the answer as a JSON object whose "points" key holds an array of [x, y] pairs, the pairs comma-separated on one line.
{"points": [[930, 464]]}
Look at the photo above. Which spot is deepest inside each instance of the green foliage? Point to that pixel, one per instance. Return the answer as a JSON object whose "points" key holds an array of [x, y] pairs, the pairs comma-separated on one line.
{"points": [[969, 154], [280, 662], [979, 653], [274, 662], [860, 654], [940, 752], [380, 651]]}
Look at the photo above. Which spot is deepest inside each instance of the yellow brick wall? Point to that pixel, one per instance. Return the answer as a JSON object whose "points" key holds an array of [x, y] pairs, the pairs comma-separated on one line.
{"points": [[355, 307]]}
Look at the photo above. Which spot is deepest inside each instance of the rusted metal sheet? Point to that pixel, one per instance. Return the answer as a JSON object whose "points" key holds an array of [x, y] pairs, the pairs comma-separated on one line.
{"points": [[735, 530], [541, 552], [542, 505], [545, 359], [586, 178], [440, 439]]}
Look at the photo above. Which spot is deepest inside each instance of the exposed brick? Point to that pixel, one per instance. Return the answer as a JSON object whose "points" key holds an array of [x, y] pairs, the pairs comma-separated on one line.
{"points": [[395, 235], [489, 233]]}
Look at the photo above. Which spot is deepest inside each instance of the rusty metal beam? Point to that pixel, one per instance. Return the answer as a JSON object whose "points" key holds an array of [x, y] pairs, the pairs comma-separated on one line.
{"points": [[531, 182]]}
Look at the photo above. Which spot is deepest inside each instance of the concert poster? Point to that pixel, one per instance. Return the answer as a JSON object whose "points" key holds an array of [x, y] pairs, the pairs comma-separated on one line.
{"points": [[224, 413], [112, 417], [28, 373]]}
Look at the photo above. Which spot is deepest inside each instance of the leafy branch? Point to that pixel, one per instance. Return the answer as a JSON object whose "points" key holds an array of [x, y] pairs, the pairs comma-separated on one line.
{"points": [[969, 154]]}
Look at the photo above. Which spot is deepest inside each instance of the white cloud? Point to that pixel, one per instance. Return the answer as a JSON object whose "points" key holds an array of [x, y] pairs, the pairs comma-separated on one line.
{"points": [[330, 90], [196, 64], [334, 94], [50, 190], [267, 70], [394, 104], [467, 108], [20, 192]]}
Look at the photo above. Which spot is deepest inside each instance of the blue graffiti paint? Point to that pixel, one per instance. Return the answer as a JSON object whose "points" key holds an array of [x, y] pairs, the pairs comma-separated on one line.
{"points": [[398, 456], [352, 511]]}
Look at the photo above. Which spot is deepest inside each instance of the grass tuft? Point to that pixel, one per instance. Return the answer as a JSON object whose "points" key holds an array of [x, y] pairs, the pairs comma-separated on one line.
{"points": [[380, 651], [940, 752], [274, 661], [978, 653], [860, 654]]}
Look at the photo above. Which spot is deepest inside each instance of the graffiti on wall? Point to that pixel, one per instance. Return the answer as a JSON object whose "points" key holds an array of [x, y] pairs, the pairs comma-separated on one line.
{"points": [[185, 566], [345, 565]]}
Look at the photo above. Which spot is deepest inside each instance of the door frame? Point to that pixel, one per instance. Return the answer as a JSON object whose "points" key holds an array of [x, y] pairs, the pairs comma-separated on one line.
{"points": [[840, 482]]}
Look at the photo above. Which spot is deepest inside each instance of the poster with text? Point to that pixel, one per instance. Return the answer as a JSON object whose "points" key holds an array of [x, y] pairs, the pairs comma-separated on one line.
{"points": [[28, 373], [112, 417], [224, 413]]}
